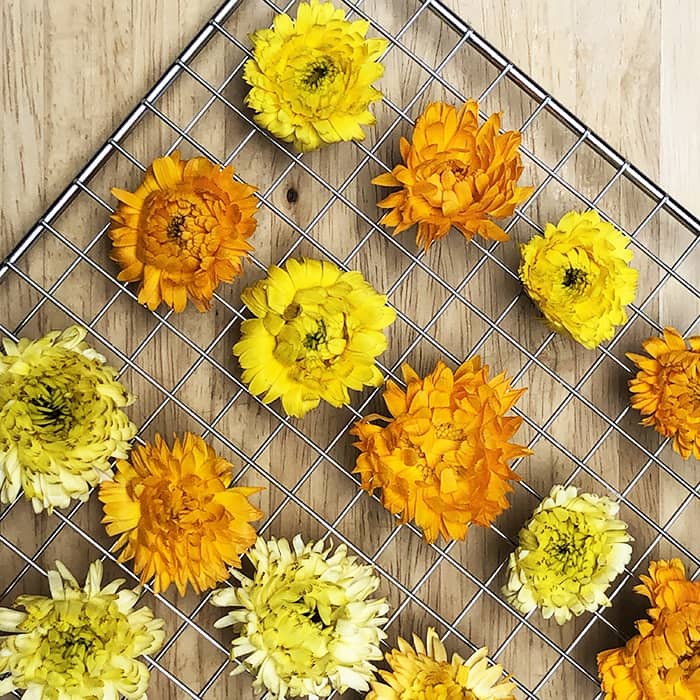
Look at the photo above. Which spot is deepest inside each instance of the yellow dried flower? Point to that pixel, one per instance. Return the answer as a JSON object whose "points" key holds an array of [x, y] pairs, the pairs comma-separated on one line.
{"points": [[568, 554], [578, 275], [311, 77], [316, 333], [78, 643], [61, 419]]}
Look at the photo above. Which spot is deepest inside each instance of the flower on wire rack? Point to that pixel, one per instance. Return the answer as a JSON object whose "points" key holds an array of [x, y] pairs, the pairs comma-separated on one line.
{"points": [[455, 172], [568, 554], [183, 231], [424, 671], [663, 660], [306, 620], [442, 457], [578, 275], [61, 419], [311, 77], [177, 514], [79, 642], [666, 389], [316, 333]]}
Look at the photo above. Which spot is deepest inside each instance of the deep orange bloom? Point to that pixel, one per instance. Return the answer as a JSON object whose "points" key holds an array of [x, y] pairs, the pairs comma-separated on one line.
{"points": [[182, 231]]}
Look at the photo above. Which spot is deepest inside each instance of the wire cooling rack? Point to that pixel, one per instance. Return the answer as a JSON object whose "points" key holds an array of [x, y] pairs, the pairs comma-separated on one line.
{"points": [[458, 300]]}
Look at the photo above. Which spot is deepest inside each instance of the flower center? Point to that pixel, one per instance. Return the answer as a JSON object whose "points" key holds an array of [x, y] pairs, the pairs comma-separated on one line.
{"points": [[313, 340], [447, 431], [318, 73], [50, 409], [575, 277], [176, 226]]}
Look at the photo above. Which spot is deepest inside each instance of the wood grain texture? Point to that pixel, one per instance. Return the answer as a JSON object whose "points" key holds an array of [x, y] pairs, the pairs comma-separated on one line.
{"points": [[73, 71]]}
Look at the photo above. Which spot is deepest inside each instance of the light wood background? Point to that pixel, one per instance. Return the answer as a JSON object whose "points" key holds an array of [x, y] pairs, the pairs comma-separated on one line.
{"points": [[74, 69]]}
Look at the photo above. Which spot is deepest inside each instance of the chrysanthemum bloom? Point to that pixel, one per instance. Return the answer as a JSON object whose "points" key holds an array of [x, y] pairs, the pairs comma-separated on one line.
{"points": [[78, 643], [442, 459], [667, 387], [316, 333], [568, 554], [61, 419], [306, 622], [311, 77], [182, 231], [455, 173], [423, 671], [579, 277], [177, 515], [662, 662]]}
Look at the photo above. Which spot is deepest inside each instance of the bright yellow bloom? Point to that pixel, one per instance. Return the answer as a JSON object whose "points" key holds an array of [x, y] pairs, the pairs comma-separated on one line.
{"points": [[578, 275], [307, 624], [569, 553], [442, 459], [182, 231], [455, 173], [61, 419], [311, 77], [316, 333], [80, 642], [667, 387], [177, 515], [662, 662], [425, 673]]}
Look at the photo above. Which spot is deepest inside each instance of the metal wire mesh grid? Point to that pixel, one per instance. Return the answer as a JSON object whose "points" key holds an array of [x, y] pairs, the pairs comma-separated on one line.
{"points": [[454, 302]]}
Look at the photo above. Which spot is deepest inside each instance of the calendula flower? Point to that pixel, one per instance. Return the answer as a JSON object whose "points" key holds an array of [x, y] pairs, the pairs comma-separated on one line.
{"points": [[61, 419], [316, 333], [311, 77], [79, 642], [455, 173], [442, 458], [666, 389], [177, 514], [306, 620], [578, 275], [182, 231], [662, 662], [568, 554], [423, 671]]}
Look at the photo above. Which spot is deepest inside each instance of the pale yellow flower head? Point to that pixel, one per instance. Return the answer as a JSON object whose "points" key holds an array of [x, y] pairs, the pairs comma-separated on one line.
{"points": [[311, 77], [316, 333], [569, 553], [79, 642], [61, 419], [307, 623], [578, 275]]}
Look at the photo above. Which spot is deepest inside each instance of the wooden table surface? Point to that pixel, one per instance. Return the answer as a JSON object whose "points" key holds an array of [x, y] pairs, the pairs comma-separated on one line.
{"points": [[74, 69]]}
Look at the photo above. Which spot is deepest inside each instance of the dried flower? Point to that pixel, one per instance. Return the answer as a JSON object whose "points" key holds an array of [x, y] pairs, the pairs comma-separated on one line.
{"points": [[177, 514], [442, 459], [311, 77], [306, 620], [667, 387], [61, 419], [316, 333], [425, 673], [455, 173], [80, 642], [569, 553], [578, 275], [662, 662], [182, 231]]}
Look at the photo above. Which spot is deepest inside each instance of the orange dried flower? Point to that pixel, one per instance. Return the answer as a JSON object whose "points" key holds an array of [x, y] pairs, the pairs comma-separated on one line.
{"points": [[666, 390], [662, 662], [182, 231], [442, 459], [455, 173]]}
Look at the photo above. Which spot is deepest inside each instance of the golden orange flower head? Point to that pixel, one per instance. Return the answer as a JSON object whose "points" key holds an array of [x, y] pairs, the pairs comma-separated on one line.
{"points": [[455, 173], [182, 231], [177, 515], [442, 459], [666, 389], [662, 662]]}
